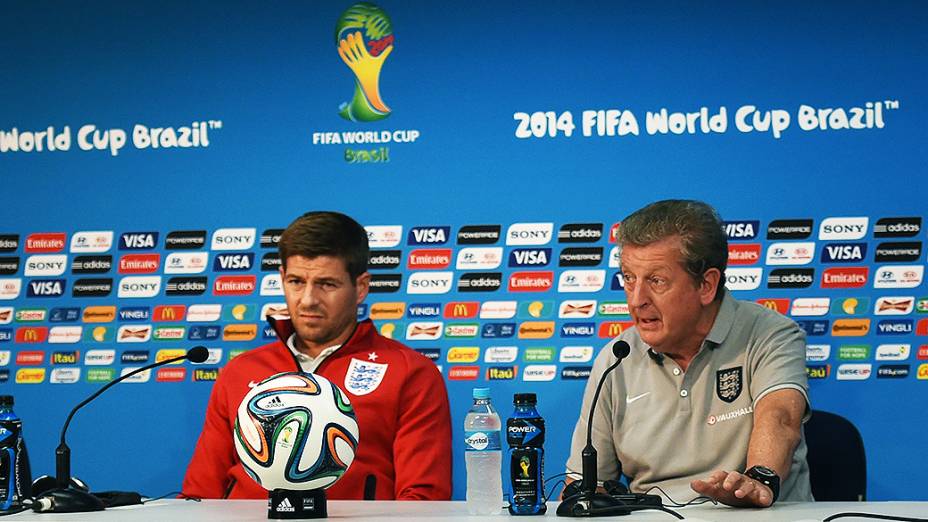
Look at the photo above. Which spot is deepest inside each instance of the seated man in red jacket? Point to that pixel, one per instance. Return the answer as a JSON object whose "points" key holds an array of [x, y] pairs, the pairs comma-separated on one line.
{"points": [[404, 449]]}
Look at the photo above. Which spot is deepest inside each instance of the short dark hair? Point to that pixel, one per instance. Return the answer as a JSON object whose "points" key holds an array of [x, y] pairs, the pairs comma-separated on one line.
{"points": [[704, 244], [326, 233]]}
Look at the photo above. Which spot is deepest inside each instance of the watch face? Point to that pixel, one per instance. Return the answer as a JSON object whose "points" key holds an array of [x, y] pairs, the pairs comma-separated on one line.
{"points": [[764, 471]]}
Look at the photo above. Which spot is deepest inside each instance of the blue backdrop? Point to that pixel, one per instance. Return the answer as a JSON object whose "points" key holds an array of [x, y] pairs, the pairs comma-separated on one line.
{"points": [[266, 82]]}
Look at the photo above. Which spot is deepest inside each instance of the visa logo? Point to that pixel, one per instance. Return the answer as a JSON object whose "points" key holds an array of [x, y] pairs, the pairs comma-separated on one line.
{"points": [[844, 252], [46, 288], [428, 235], [233, 262], [741, 229], [530, 257], [138, 240]]}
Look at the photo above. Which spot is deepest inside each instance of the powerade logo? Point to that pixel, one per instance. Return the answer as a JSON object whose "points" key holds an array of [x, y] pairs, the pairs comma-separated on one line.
{"points": [[741, 230], [138, 241], [386, 283], [479, 234], [185, 240], [9, 265], [437, 235], [270, 262], [364, 39], [898, 252], [581, 256], [92, 287], [844, 252], [789, 229]]}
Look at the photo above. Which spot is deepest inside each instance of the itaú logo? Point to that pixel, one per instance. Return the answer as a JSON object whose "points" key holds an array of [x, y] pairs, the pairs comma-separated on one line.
{"points": [[364, 36]]}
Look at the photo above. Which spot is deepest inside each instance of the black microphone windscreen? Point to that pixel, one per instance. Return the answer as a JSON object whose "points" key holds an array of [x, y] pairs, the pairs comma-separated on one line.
{"points": [[621, 349], [198, 354]]}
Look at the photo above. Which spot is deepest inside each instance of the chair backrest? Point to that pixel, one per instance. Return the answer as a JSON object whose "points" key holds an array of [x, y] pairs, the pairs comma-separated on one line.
{"points": [[837, 462]]}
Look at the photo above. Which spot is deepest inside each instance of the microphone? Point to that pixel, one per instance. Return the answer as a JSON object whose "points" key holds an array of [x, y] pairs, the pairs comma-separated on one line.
{"points": [[64, 494], [587, 502]]}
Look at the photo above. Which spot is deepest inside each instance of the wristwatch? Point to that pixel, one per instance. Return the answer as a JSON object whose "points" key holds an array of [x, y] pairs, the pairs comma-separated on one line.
{"points": [[767, 477]]}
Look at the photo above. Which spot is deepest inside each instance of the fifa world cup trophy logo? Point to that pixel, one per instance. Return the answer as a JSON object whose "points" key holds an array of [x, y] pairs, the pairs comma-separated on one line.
{"points": [[364, 36]]}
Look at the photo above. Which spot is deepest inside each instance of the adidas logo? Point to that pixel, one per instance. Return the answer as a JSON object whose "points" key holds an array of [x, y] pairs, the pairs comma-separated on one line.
{"points": [[275, 402], [285, 506]]}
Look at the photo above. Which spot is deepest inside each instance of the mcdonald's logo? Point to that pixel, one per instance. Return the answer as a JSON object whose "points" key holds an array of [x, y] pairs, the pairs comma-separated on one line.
{"points": [[99, 314], [461, 310], [32, 334], [239, 332], [610, 329], [169, 313], [779, 305]]}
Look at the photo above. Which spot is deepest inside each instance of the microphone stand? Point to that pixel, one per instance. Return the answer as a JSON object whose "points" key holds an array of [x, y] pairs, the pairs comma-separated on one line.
{"points": [[65, 498]]}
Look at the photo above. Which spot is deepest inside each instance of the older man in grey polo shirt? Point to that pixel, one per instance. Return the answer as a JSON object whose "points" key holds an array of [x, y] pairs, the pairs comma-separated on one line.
{"points": [[713, 395]]}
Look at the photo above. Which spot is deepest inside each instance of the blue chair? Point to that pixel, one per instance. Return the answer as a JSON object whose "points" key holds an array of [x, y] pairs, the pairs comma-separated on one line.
{"points": [[837, 462]]}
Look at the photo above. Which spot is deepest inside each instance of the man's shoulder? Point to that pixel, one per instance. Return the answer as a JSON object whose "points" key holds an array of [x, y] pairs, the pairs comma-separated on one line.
{"points": [[399, 350], [763, 316], [270, 354]]}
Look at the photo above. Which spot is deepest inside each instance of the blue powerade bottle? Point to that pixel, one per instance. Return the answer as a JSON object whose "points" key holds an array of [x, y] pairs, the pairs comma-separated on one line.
{"points": [[15, 475], [525, 432]]}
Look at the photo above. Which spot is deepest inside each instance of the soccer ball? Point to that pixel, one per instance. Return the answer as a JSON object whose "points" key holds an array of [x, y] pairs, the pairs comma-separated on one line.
{"points": [[296, 431]]}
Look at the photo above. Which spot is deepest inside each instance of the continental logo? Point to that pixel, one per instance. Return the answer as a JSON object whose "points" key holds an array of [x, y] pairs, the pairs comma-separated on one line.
{"points": [[30, 375], [171, 374], [536, 330], [776, 304], [461, 310], [239, 332], [502, 373], [205, 374], [610, 329], [31, 334], [850, 327], [169, 313], [164, 355], [463, 354], [387, 310]]}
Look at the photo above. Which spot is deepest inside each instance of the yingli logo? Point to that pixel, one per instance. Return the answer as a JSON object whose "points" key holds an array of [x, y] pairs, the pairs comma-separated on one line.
{"points": [[845, 277], [743, 253], [531, 281]]}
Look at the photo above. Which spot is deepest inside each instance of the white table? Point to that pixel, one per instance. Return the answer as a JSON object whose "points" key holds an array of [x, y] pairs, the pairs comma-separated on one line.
{"points": [[256, 510]]}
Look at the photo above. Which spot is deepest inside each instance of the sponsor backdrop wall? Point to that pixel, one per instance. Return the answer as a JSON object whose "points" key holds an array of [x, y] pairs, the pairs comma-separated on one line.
{"points": [[150, 154]]}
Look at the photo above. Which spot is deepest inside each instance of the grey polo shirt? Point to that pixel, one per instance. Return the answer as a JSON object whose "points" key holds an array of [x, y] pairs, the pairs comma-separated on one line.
{"points": [[669, 427]]}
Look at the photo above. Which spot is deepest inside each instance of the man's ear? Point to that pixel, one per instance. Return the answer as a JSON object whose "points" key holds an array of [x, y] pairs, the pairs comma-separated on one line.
{"points": [[363, 285], [709, 285]]}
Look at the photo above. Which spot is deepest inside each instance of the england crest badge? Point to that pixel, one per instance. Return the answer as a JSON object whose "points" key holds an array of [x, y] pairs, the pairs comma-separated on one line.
{"points": [[728, 384], [364, 377]]}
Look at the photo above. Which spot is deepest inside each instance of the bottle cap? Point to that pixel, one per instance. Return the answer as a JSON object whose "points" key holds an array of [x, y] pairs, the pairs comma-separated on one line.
{"points": [[481, 393], [524, 398], [6, 400]]}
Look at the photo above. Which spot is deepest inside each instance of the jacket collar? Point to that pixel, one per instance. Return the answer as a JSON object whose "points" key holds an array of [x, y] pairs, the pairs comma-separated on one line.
{"points": [[363, 331]]}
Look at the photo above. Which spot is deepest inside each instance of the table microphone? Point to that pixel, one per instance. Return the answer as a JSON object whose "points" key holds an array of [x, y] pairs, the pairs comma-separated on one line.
{"points": [[64, 494], [587, 502]]}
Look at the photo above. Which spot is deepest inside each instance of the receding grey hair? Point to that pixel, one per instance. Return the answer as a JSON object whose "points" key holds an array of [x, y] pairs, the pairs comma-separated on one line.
{"points": [[701, 231]]}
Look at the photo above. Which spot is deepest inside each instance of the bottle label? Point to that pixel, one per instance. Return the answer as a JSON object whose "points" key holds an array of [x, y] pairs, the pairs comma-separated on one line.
{"points": [[481, 441], [525, 432], [526, 475]]}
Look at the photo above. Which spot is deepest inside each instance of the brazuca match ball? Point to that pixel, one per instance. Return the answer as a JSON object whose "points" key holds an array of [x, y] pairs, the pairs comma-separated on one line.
{"points": [[296, 431]]}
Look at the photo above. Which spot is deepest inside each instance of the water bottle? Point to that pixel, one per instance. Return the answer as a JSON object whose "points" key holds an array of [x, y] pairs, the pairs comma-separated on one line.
{"points": [[525, 432], [15, 476], [482, 456]]}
